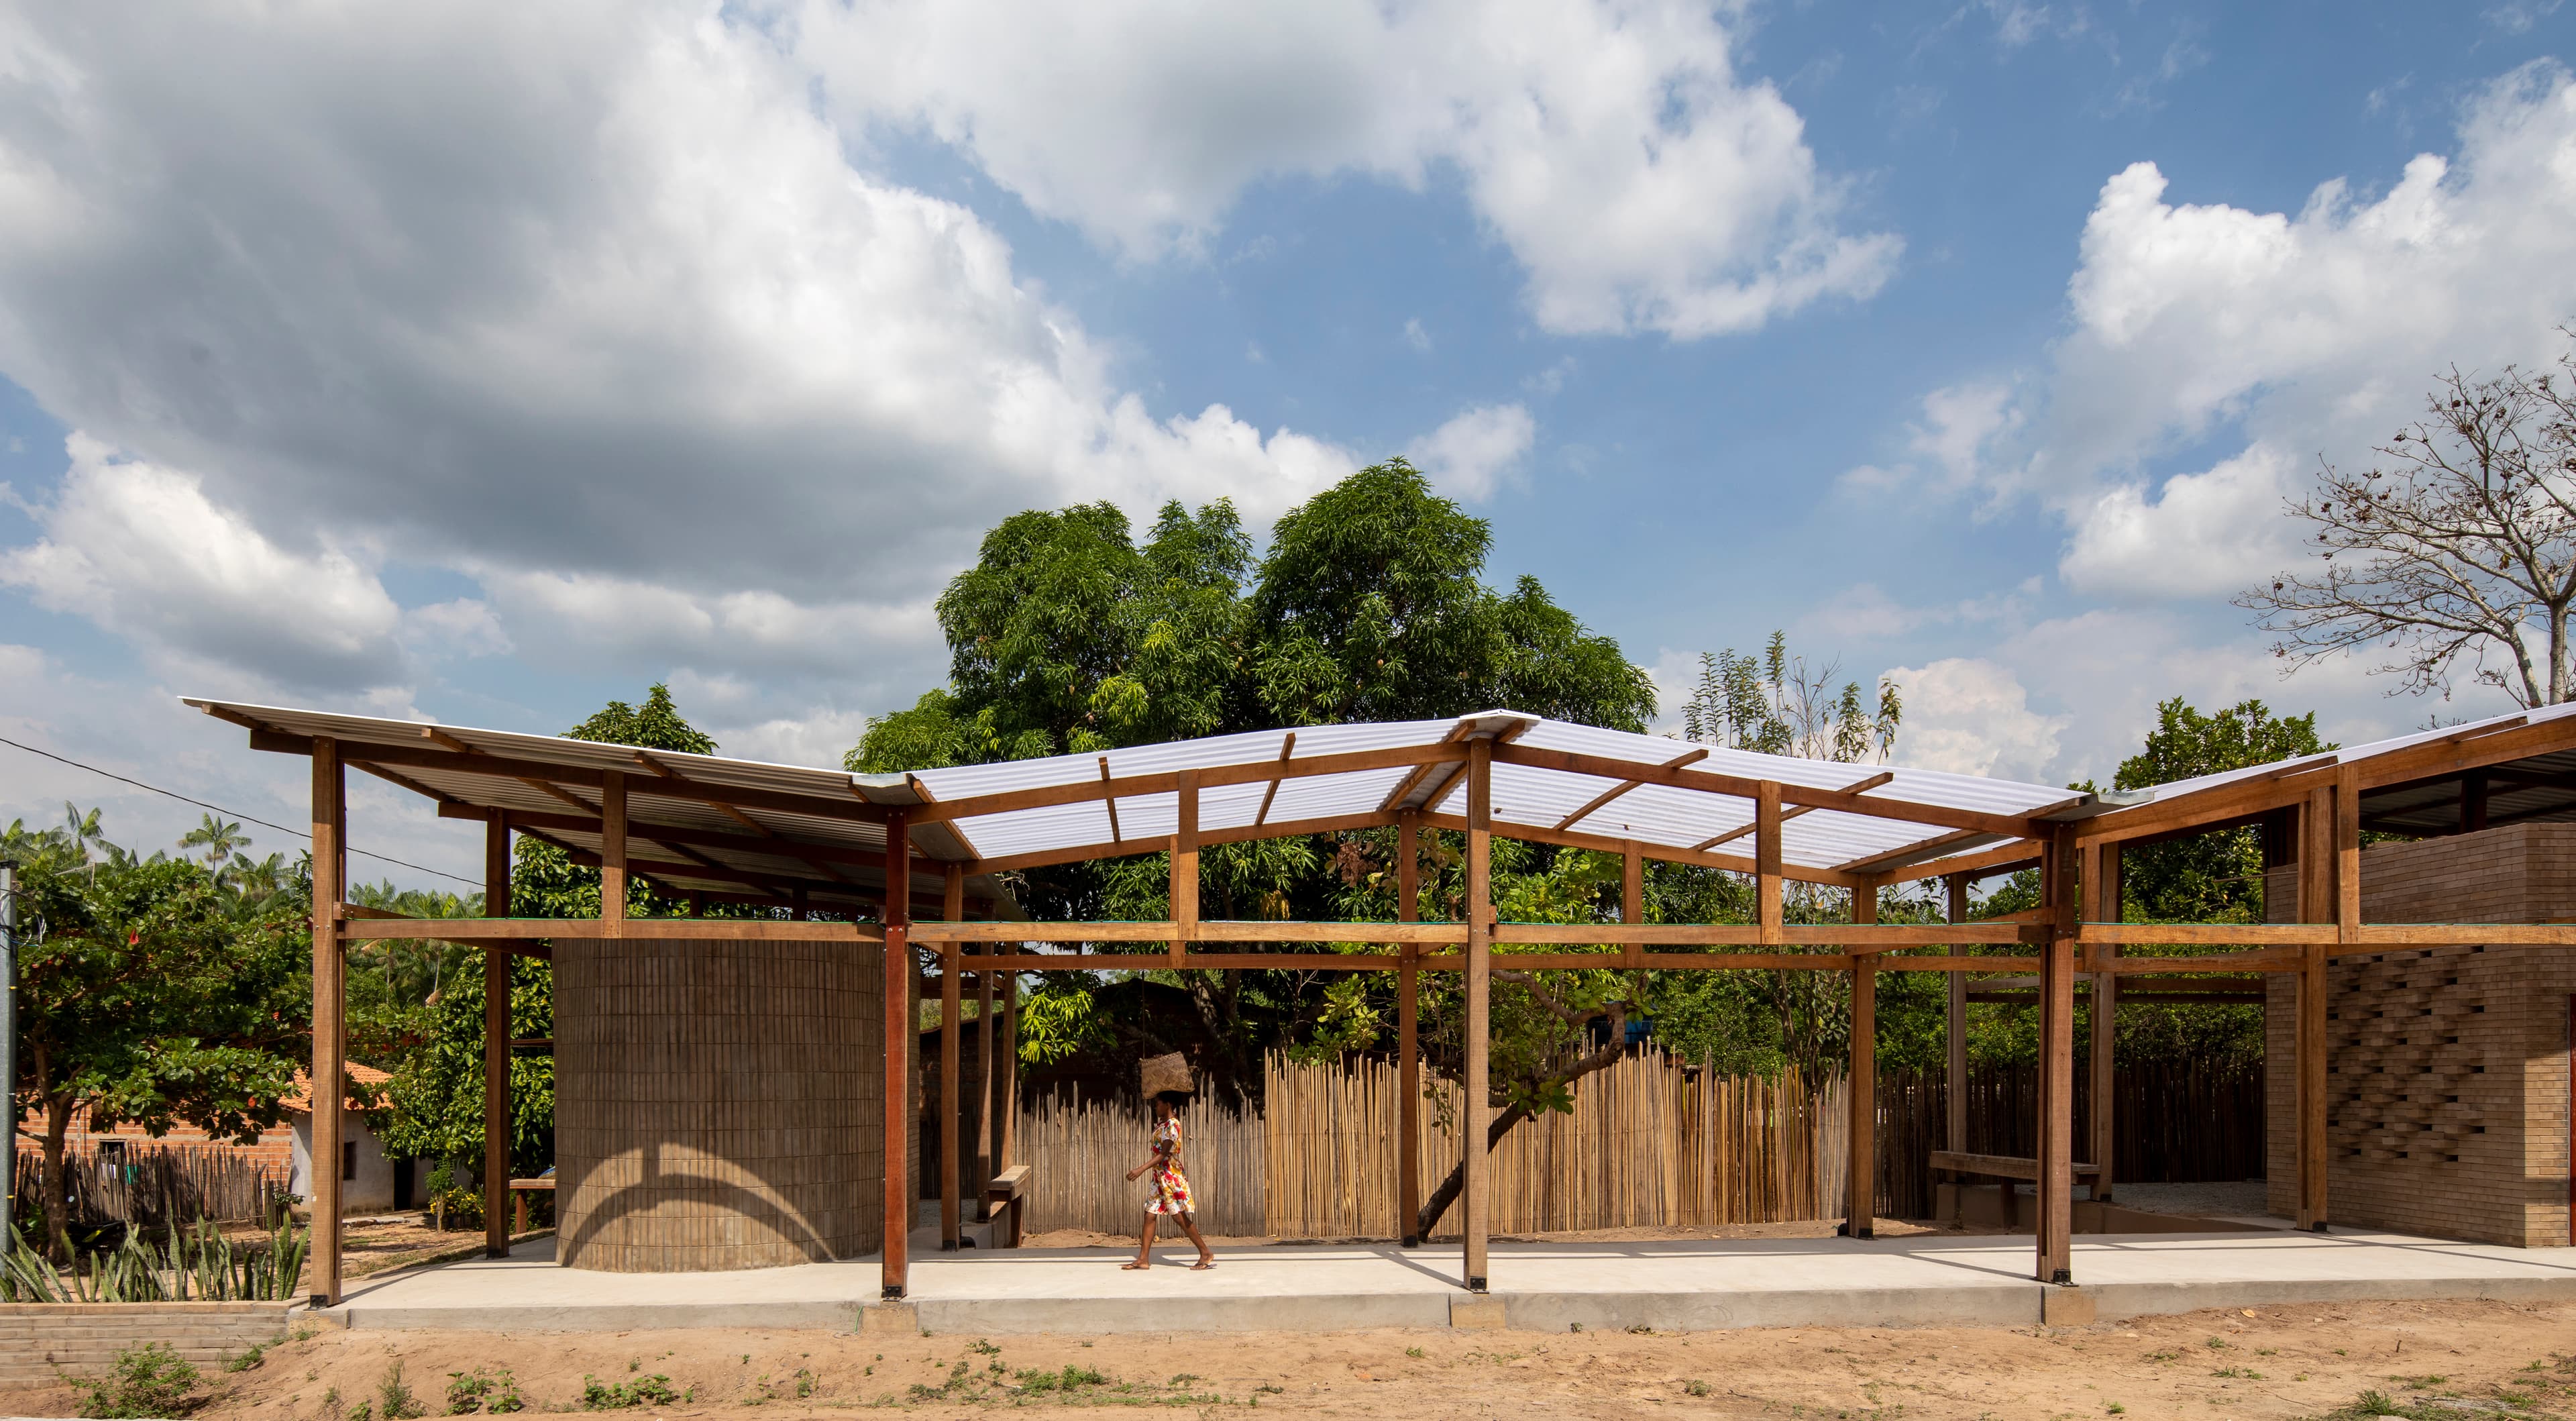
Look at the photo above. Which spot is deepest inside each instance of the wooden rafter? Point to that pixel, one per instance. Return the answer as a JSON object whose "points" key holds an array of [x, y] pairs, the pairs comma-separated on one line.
{"points": [[1786, 815], [1711, 782], [1692, 757], [1287, 748]]}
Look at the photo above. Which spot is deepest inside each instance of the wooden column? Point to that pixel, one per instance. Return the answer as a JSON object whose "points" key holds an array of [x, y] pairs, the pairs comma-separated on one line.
{"points": [[1632, 902], [1766, 859], [612, 847], [987, 1131], [1408, 1046], [1006, 1105], [496, 1040], [1474, 1088], [1955, 1023], [330, 1016], [2318, 903], [2101, 890], [952, 986], [1956, 1019], [1860, 1210], [2056, 1183], [900, 1048], [1185, 868]]}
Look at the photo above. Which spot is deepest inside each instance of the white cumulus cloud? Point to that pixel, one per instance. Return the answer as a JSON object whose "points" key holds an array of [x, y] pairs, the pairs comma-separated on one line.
{"points": [[1471, 455], [1612, 145]]}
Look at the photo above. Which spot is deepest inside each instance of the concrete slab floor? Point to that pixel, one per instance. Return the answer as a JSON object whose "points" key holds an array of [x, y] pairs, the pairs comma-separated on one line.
{"points": [[1692, 1284]]}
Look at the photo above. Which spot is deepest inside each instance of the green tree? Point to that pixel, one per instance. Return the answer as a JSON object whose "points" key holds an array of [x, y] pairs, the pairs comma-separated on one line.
{"points": [[147, 997], [2215, 877], [436, 1099]]}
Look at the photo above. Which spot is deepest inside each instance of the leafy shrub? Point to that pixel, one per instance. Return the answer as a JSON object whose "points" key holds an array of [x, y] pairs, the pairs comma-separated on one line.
{"points": [[480, 1390], [397, 1402], [654, 1390], [150, 1380]]}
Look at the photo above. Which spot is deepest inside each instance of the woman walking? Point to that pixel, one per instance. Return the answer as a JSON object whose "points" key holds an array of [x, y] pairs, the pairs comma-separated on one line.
{"points": [[1171, 1187]]}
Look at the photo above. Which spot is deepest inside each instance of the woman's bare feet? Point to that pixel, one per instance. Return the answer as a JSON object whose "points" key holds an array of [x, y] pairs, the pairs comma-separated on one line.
{"points": [[1138, 1266]]}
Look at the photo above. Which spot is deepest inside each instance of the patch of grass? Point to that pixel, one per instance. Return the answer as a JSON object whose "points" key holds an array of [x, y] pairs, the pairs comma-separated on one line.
{"points": [[1414, 1352], [2245, 1373], [2163, 1356], [394, 1398], [150, 1380], [2114, 1408], [249, 1358], [1694, 1387]]}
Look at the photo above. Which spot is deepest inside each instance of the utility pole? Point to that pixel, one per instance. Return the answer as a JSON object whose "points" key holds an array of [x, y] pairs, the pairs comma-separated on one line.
{"points": [[9, 1051]]}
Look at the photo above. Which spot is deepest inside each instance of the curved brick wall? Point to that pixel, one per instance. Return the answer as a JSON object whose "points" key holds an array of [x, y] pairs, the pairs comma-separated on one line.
{"points": [[717, 1104]]}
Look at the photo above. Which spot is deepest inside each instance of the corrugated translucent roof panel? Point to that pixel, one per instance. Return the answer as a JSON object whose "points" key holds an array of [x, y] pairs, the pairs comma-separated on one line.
{"points": [[832, 808], [2354, 753]]}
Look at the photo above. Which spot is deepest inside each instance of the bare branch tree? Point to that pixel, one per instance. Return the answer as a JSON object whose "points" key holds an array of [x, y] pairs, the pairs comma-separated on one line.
{"points": [[2456, 554]]}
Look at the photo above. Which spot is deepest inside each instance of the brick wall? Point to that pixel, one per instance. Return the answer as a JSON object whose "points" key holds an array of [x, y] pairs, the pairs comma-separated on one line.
{"points": [[2448, 1088], [40, 1341]]}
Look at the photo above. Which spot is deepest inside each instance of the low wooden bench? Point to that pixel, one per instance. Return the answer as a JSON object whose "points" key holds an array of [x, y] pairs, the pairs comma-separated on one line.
{"points": [[2006, 1170], [1010, 1190], [2000, 1166], [520, 1189]]}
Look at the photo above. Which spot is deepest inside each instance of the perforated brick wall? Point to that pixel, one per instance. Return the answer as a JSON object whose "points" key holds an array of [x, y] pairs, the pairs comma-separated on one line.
{"points": [[2447, 1085]]}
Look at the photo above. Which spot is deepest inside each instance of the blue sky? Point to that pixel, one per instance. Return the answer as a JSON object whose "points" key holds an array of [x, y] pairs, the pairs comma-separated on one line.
{"points": [[478, 366]]}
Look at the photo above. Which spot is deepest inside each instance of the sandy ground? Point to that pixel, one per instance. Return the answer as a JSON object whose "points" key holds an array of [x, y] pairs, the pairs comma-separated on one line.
{"points": [[2273, 1362]]}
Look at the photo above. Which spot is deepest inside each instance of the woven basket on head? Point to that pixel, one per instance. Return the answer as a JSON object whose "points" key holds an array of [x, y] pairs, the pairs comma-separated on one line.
{"points": [[1167, 1073]]}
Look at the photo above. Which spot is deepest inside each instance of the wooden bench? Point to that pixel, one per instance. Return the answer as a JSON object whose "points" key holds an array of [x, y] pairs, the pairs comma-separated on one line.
{"points": [[1009, 1190], [2004, 1169], [520, 1189], [2000, 1166]]}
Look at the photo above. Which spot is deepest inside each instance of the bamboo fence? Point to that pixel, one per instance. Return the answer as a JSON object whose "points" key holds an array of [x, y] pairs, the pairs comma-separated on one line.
{"points": [[1651, 1142], [156, 1187]]}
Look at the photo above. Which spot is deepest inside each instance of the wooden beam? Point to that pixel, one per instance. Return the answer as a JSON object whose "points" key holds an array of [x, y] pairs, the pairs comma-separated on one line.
{"points": [[330, 1017], [496, 1041], [1602, 843], [894, 1255], [1109, 801], [1613, 792], [520, 930], [427, 755], [2002, 858], [1475, 1087], [1887, 859], [1408, 1049], [987, 1153], [1086, 853], [675, 836], [1287, 748], [1709, 782]]}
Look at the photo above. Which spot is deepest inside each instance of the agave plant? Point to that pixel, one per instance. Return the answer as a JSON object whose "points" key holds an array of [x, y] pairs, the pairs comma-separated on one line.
{"points": [[198, 1264]]}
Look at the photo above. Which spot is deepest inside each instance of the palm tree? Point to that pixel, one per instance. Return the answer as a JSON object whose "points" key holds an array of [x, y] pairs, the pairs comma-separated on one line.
{"points": [[218, 838]]}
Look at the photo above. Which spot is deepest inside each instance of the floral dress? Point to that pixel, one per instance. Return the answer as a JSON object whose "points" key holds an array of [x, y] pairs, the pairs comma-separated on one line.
{"points": [[1171, 1188]]}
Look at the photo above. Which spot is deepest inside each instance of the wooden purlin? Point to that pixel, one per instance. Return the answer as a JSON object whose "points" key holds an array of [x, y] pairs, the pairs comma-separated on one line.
{"points": [[1863, 787]]}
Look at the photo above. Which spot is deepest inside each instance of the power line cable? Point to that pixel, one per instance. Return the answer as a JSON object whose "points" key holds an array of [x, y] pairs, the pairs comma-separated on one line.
{"points": [[229, 813]]}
